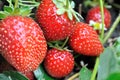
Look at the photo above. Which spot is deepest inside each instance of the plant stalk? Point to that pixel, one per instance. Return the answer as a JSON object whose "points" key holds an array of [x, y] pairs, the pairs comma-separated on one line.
{"points": [[95, 69], [16, 3], [104, 40], [74, 76], [116, 22], [65, 42], [93, 76], [102, 16]]}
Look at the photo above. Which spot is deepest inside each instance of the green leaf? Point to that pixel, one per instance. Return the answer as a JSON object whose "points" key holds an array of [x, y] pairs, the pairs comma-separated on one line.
{"points": [[10, 3], [118, 39], [4, 77], [114, 76], [2, 14], [58, 4], [118, 50], [70, 15], [104, 66], [117, 44], [60, 0], [8, 9], [60, 11], [85, 74], [72, 4], [40, 74], [117, 47], [25, 11], [12, 75], [108, 64]]}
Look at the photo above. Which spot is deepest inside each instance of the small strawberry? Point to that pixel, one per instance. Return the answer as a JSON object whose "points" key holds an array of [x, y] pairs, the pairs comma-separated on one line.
{"points": [[94, 14], [58, 63], [56, 18], [84, 40]]}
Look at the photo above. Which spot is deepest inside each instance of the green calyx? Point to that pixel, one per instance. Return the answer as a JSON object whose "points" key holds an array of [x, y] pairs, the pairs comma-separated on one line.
{"points": [[68, 7], [18, 7], [60, 44]]}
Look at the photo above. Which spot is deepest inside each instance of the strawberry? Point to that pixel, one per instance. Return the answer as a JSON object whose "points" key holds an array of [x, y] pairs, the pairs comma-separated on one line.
{"points": [[58, 63], [22, 42], [56, 18], [94, 14], [84, 40]]}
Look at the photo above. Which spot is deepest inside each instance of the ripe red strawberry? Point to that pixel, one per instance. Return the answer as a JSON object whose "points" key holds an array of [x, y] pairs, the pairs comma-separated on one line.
{"points": [[95, 15], [84, 40], [59, 63], [55, 19], [22, 42]]}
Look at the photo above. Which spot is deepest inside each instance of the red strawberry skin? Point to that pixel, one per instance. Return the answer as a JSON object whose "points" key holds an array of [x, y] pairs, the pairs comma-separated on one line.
{"points": [[58, 63], [95, 15], [22, 42], [84, 40], [55, 27]]}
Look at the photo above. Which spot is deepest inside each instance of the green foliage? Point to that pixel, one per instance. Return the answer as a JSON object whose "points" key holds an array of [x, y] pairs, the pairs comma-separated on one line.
{"points": [[85, 74], [68, 7], [2, 15], [109, 65], [8, 9], [4, 77], [117, 46], [40, 74], [12, 75], [25, 11], [23, 8], [114, 76]]}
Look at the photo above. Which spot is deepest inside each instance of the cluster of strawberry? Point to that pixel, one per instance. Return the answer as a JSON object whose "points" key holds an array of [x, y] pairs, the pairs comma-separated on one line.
{"points": [[23, 42]]}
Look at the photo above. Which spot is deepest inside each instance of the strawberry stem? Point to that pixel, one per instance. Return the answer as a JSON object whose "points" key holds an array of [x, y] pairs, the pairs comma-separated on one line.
{"points": [[116, 22], [104, 40], [16, 4], [95, 69], [93, 76], [102, 15], [74, 76], [31, 3], [65, 42]]}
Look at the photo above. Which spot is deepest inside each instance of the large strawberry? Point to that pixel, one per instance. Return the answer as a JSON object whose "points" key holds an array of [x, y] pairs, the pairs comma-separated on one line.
{"points": [[94, 14], [58, 63], [84, 40], [56, 18], [22, 42]]}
